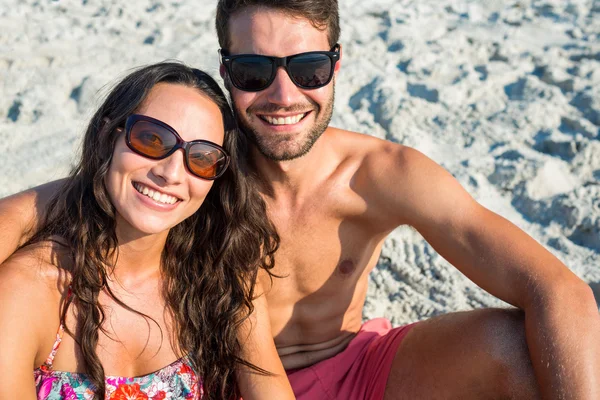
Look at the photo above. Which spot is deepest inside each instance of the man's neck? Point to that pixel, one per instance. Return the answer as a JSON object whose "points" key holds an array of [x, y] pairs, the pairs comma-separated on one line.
{"points": [[297, 176]]}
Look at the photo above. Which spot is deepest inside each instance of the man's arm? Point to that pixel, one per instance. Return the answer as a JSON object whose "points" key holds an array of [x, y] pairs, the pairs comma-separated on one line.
{"points": [[258, 348], [561, 318], [20, 215], [22, 325]]}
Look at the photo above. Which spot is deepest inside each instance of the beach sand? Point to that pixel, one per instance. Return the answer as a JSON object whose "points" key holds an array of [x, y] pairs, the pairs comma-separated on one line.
{"points": [[503, 94]]}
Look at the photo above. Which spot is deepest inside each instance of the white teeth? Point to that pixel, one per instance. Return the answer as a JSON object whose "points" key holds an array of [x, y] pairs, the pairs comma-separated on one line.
{"points": [[284, 121], [155, 195]]}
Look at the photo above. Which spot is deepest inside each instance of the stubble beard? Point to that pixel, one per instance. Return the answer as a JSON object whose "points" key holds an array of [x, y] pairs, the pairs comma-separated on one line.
{"points": [[284, 147]]}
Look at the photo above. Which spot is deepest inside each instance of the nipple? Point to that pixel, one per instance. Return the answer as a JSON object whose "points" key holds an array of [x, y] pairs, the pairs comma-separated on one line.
{"points": [[346, 267]]}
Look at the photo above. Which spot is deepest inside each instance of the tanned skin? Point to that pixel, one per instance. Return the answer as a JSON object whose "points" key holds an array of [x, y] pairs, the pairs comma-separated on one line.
{"points": [[333, 208]]}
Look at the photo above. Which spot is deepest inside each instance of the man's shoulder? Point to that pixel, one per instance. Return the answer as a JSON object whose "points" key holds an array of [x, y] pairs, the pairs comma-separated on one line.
{"points": [[34, 270], [364, 145], [30, 298], [375, 154], [351, 136]]}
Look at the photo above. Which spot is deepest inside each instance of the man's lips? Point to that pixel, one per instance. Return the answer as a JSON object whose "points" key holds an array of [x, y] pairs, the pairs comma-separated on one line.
{"points": [[283, 119]]}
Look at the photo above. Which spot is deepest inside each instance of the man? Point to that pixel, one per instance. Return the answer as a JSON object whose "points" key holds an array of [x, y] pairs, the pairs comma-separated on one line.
{"points": [[334, 195]]}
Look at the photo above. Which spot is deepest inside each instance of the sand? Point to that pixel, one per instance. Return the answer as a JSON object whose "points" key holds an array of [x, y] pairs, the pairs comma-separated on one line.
{"points": [[503, 94]]}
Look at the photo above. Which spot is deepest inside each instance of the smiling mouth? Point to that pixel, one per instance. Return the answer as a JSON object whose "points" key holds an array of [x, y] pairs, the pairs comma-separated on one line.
{"points": [[289, 120], [155, 195]]}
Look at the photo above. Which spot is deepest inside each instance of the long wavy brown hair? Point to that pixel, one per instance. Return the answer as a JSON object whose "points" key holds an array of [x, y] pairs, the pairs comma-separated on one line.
{"points": [[210, 260]]}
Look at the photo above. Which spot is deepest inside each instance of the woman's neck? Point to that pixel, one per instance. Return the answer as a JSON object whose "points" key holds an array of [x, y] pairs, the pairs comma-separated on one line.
{"points": [[139, 256]]}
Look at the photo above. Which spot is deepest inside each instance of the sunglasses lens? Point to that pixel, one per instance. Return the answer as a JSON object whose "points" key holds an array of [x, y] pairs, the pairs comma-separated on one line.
{"points": [[151, 140], [251, 72], [206, 161], [311, 70]]}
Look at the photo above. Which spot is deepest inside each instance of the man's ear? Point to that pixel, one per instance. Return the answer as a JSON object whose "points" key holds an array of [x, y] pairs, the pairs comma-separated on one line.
{"points": [[225, 76], [338, 64]]}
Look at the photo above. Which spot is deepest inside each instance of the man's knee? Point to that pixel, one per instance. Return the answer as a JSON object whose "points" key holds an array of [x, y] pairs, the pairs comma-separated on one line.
{"points": [[503, 333]]}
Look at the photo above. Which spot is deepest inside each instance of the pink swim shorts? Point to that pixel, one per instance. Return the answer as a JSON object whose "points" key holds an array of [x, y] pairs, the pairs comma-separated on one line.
{"points": [[358, 372]]}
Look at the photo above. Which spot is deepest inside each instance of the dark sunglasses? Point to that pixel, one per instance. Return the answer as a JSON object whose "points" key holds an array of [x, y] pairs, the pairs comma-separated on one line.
{"points": [[154, 139], [253, 72]]}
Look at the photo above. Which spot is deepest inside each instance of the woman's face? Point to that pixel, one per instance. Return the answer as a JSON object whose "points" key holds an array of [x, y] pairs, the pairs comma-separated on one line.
{"points": [[194, 116]]}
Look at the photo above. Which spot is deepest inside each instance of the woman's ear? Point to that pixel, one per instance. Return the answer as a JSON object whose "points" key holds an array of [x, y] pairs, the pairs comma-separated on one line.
{"points": [[105, 121], [105, 124]]}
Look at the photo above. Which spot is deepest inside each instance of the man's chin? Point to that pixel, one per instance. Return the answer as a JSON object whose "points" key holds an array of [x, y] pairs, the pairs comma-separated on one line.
{"points": [[276, 153], [279, 146]]}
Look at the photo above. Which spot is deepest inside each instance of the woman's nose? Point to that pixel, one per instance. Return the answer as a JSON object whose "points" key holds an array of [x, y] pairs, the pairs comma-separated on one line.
{"points": [[172, 168]]}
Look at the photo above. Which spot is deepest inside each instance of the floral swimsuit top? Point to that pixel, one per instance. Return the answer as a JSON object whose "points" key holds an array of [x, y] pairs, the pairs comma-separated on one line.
{"points": [[175, 381]]}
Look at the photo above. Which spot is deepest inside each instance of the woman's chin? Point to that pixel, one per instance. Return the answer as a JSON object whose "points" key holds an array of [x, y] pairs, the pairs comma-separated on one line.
{"points": [[144, 226]]}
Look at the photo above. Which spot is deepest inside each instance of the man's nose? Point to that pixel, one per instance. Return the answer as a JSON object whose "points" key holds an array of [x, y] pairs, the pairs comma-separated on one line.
{"points": [[283, 91]]}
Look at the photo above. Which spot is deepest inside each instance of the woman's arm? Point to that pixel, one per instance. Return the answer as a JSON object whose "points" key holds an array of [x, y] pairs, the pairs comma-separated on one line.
{"points": [[20, 215], [259, 349], [23, 308]]}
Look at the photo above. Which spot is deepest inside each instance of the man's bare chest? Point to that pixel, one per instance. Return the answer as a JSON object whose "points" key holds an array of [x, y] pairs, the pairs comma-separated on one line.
{"points": [[321, 251], [323, 264]]}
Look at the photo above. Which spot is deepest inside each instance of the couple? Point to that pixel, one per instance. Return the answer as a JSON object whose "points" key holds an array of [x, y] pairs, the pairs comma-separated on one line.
{"points": [[332, 196]]}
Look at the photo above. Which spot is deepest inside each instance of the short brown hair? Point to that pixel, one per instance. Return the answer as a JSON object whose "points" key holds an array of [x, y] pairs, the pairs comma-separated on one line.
{"points": [[322, 14]]}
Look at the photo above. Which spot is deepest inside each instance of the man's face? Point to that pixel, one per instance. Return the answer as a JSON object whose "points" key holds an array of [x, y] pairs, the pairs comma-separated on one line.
{"points": [[283, 120]]}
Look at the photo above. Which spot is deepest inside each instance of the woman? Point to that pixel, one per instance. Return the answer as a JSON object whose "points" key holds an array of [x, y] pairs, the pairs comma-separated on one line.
{"points": [[147, 259]]}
